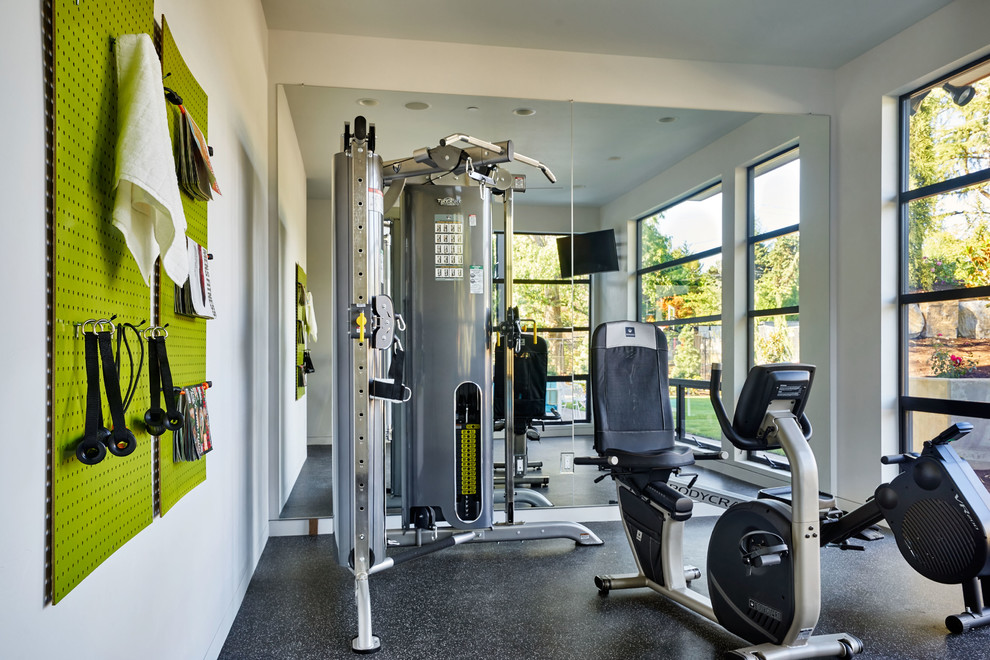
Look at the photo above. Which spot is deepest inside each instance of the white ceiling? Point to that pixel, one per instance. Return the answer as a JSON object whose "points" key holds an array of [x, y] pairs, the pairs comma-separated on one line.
{"points": [[821, 34], [615, 148]]}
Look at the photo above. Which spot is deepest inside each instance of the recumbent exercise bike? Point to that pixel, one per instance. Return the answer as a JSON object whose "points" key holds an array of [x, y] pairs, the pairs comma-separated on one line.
{"points": [[763, 558]]}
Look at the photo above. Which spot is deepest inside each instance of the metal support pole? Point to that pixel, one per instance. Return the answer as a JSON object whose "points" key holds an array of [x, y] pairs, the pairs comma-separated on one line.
{"points": [[509, 355]]}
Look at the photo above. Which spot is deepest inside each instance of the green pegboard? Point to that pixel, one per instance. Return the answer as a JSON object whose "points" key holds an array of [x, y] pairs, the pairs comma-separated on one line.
{"points": [[300, 328], [94, 509], [186, 335]]}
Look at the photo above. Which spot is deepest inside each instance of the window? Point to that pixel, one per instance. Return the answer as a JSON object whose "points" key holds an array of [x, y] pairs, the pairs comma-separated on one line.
{"points": [[561, 308], [774, 257], [945, 262], [679, 278]]}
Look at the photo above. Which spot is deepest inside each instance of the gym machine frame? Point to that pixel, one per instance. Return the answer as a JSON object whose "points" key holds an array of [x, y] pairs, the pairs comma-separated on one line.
{"points": [[368, 329]]}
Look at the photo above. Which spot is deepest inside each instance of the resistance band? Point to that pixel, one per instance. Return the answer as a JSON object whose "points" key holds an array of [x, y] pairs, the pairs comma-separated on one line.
{"points": [[160, 378], [97, 439]]}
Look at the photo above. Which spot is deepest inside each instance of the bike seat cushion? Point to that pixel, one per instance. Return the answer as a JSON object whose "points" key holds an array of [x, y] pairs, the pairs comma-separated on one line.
{"points": [[664, 459]]}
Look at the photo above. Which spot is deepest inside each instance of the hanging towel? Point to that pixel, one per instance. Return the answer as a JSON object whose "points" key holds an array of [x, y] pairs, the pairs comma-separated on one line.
{"points": [[147, 209], [310, 316]]}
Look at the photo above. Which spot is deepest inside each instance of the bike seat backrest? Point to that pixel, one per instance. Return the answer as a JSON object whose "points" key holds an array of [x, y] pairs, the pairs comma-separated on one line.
{"points": [[630, 395]]}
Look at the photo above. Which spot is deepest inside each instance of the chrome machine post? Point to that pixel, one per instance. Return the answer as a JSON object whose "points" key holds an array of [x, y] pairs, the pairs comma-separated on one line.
{"points": [[359, 497], [509, 354]]}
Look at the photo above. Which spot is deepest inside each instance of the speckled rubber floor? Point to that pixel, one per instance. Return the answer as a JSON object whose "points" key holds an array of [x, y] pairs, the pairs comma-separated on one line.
{"points": [[536, 599]]}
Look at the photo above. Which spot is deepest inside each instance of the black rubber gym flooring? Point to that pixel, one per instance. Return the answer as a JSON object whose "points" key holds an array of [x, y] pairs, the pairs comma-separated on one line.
{"points": [[536, 599]]}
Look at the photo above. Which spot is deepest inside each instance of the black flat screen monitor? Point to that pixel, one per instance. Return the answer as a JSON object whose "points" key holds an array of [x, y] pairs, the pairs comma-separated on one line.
{"points": [[593, 252]]}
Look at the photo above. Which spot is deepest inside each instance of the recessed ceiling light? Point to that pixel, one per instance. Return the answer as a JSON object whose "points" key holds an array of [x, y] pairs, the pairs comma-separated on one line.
{"points": [[368, 103], [524, 112], [666, 120], [417, 105], [473, 108]]}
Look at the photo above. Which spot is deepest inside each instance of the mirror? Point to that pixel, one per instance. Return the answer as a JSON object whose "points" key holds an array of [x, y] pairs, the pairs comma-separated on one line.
{"points": [[607, 159]]}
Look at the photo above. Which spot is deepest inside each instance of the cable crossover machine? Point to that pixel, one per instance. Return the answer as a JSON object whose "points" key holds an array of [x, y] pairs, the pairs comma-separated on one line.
{"points": [[445, 284]]}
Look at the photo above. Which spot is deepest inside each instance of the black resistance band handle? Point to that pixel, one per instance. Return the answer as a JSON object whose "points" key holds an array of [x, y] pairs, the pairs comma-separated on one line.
{"points": [[91, 449], [173, 420], [121, 442], [154, 419]]}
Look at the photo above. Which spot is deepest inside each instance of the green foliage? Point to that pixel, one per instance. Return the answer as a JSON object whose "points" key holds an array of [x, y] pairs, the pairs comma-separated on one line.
{"points": [[949, 365], [775, 345], [687, 357], [947, 241], [557, 305], [976, 267], [776, 272]]}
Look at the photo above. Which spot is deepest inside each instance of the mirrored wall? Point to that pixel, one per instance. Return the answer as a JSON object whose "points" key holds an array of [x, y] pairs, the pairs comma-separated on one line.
{"points": [[607, 161]]}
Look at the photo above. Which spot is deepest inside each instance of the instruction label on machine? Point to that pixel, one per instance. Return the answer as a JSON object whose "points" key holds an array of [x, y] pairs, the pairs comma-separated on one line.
{"points": [[448, 242], [477, 275]]}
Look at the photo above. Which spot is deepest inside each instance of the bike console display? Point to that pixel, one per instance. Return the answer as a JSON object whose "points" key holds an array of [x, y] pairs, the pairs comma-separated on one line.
{"points": [[765, 385]]}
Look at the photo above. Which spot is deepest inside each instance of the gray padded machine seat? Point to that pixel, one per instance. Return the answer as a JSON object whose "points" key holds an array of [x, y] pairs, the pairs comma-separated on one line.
{"points": [[634, 424]]}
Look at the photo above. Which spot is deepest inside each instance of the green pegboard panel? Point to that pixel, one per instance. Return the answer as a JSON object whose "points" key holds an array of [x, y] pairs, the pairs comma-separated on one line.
{"points": [[93, 510], [186, 335], [300, 328]]}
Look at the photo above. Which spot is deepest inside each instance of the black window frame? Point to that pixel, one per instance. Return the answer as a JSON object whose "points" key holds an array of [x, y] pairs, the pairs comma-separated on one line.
{"points": [[773, 459], [908, 404], [752, 239], [681, 385]]}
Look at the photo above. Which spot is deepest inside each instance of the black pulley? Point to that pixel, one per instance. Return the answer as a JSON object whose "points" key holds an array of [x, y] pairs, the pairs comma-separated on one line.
{"points": [[360, 128]]}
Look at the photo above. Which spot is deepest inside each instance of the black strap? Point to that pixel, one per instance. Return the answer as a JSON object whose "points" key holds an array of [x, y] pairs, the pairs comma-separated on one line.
{"points": [[94, 410], [395, 390], [173, 420], [91, 449], [155, 417], [111, 382], [121, 441]]}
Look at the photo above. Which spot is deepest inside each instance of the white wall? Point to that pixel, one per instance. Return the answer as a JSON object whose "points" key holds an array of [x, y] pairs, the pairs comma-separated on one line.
{"points": [[292, 250], [865, 214], [222, 520], [401, 64], [320, 250], [548, 219]]}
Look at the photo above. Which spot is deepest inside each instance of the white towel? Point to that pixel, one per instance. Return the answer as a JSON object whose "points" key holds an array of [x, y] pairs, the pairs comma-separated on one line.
{"points": [[147, 209], [310, 316]]}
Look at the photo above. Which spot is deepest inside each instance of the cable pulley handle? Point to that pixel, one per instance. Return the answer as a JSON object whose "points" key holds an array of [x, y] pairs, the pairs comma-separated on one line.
{"points": [[532, 162], [173, 420], [121, 441], [91, 449], [154, 418]]}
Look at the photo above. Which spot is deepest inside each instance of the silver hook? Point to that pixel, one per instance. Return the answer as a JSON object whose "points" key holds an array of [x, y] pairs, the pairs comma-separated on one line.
{"points": [[104, 322], [81, 327]]}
